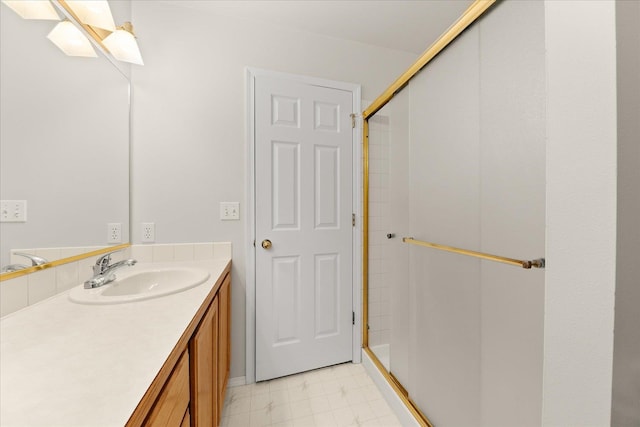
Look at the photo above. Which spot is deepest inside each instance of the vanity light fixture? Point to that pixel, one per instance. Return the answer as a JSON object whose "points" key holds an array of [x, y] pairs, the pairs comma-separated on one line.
{"points": [[123, 46], [83, 18], [70, 40], [96, 13], [120, 41], [33, 9]]}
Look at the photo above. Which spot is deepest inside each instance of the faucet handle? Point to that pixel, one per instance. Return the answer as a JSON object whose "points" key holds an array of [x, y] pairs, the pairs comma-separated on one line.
{"points": [[103, 258], [35, 260], [102, 263]]}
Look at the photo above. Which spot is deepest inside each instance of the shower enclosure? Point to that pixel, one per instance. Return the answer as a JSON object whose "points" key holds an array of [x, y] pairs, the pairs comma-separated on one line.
{"points": [[455, 208]]}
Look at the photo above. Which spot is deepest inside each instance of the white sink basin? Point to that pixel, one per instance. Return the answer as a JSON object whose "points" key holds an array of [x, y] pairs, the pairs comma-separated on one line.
{"points": [[141, 285]]}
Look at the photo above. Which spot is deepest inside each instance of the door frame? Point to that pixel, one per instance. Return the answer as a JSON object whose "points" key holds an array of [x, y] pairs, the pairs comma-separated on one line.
{"points": [[250, 231]]}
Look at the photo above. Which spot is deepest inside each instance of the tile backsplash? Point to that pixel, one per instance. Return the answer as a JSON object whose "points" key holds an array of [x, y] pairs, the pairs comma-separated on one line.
{"points": [[23, 291]]}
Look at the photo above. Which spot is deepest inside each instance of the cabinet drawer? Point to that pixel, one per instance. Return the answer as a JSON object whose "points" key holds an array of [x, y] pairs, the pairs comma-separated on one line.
{"points": [[173, 402]]}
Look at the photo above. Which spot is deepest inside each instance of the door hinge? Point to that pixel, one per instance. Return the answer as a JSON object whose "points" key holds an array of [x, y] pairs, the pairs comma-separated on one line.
{"points": [[353, 120], [353, 220], [353, 317]]}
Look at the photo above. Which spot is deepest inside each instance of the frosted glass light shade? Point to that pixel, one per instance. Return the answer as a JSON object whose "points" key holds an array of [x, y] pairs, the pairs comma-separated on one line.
{"points": [[70, 40], [93, 12], [123, 46], [33, 9]]}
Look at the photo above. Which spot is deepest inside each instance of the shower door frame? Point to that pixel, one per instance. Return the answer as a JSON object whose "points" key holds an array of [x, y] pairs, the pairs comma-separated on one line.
{"points": [[473, 12]]}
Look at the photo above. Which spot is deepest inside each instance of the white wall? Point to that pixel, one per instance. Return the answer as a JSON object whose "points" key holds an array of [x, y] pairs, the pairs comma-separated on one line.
{"points": [[581, 212], [189, 141]]}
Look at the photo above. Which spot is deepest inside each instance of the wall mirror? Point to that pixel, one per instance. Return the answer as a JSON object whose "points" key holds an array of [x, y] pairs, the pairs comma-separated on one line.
{"points": [[64, 144]]}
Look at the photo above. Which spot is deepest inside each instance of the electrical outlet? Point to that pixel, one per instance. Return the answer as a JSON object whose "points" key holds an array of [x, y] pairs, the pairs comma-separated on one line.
{"points": [[114, 232], [229, 211], [13, 211], [148, 232]]}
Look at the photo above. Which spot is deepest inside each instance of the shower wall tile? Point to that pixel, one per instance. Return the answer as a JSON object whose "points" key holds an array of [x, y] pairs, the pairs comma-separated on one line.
{"points": [[379, 323]]}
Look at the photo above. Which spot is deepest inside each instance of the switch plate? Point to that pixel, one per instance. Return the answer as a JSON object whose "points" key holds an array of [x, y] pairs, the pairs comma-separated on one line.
{"points": [[13, 211], [148, 232], [229, 211], [114, 232]]}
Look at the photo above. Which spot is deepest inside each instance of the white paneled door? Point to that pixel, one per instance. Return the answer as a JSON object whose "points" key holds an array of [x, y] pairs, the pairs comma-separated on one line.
{"points": [[303, 195]]}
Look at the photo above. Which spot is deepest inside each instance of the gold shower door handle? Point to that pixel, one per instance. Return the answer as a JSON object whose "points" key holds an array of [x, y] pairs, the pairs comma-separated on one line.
{"points": [[266, 244]]}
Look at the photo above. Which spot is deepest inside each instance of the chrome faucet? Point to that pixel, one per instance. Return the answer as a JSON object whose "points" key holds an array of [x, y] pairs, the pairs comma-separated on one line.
{"points": [[103, 271], [35, 260]]}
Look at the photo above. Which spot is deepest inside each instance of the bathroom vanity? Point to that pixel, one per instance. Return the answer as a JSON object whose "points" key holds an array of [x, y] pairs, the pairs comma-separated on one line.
{"points": [[159, 361]]}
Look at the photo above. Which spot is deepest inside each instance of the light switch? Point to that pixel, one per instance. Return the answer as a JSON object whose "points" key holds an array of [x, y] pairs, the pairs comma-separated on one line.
{"points": [[229, 211], [13, 211]]}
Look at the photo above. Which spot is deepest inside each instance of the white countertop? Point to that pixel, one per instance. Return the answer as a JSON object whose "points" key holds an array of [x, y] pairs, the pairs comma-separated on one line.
{"points": [[68, 364]]}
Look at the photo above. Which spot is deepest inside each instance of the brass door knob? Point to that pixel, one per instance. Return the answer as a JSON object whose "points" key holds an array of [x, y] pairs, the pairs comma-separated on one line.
{"points": [[266, 244]]}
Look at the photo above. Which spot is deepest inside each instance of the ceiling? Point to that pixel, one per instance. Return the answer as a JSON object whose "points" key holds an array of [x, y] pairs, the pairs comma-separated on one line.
{"points": [[405, 25]]}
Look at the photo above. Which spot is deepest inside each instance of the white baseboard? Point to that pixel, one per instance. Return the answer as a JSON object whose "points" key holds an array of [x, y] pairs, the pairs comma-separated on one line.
{"points": [[237, 381], [405, 416]]}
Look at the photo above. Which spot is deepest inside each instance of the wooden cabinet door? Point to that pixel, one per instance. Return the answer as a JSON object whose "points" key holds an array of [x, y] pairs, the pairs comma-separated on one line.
{"points": [[224, 340], [186, 421], [204, 362], [172, 403]]}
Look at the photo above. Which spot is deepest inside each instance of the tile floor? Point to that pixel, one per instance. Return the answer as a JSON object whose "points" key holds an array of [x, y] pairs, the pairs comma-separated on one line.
{"points": [[337, 396]]}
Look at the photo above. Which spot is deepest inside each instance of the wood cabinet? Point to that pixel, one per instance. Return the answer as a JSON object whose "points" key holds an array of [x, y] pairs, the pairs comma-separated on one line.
{"points": [[173, 402], [204, 366], [189, 389], [224, 339], [186, 421]]}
